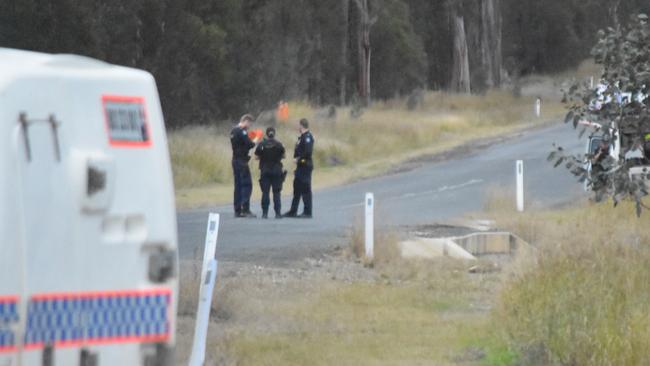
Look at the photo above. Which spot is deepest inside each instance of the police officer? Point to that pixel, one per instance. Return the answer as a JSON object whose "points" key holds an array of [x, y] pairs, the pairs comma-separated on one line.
{"points": [[598, 177], [304, 168], [241, 145], [270, 153]]}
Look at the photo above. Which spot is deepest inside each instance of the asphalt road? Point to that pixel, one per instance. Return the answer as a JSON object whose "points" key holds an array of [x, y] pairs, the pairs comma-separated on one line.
{"points": [[431, 192]]}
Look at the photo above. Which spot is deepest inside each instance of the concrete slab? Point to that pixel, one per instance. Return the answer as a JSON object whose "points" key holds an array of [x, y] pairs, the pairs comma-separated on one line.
{"points": [[423, 248], [467, 247], [427, 248], [487, 243]]}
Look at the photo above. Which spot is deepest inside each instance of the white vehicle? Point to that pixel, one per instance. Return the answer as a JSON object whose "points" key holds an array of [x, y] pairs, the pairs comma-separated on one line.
{"points": [[638, 171], [88, 244], [621, 98]]}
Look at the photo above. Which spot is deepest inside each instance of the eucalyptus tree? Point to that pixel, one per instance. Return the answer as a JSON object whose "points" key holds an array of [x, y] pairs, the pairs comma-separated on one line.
{"points": [[615, 108]]}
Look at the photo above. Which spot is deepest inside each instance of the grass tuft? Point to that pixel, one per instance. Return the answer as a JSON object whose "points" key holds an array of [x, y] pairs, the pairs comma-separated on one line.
{"points": [[585, 297]]}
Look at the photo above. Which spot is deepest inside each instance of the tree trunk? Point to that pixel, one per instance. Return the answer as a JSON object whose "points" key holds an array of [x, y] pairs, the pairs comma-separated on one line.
{"points": [[363, 50], [318, 72], [491, 42], [613, 11], [460, 78], [344, 51]]}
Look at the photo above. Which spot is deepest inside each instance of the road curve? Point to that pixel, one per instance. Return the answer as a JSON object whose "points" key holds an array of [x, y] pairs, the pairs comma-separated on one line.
{"points": [[431, 192]]}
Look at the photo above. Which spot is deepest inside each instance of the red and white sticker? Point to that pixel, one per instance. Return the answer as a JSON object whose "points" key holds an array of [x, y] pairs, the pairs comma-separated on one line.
{"points": [[126, 121]]}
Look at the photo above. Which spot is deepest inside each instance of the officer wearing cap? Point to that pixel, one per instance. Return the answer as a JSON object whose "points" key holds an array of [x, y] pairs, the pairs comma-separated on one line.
{"points": [[241, 145], [304, 167], [270, 152]]}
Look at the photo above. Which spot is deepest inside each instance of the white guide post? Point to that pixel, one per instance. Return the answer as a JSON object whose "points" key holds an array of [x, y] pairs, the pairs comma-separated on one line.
{"points": [[208, 276], [538, 107], [520, 185], [370, 225]]}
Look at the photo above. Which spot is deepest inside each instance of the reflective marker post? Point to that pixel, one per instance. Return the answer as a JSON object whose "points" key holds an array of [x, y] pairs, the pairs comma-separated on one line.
{"points": [[538, 107], [370, 225], [208, 276], [520, 185]]}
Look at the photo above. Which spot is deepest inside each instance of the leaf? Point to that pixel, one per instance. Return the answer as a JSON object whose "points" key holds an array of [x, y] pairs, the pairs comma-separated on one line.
{"points": [[551, 156], [582, 133], [559, 162], [584, 178], [578, 170], [569, 117]]}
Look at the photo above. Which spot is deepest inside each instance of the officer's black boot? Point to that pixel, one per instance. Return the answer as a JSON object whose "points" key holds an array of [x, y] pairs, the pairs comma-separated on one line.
{"points": [[290, 214], [265, 211], [307, 200], [293, 212], [246, 212]]}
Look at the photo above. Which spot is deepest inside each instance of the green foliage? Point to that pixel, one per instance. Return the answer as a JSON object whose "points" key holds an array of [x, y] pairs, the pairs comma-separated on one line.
{"points": [[217, 59], [550, 36], [624, 54], [500, 356], [397, 47]]}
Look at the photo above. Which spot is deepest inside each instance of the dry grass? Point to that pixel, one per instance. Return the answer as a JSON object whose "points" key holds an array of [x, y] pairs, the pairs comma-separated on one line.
{"points": [[340, 312], [585, 298], [385, 249], [385, 322], [366, 324], [347, 148]]}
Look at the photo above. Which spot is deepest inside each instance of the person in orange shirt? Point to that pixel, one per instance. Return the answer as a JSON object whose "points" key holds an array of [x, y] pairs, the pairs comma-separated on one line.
{"points": [[282, 113]]}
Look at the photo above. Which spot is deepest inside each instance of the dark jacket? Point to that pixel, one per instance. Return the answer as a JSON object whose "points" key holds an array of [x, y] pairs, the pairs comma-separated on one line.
{"points": [[271, 152], [304, 150], [241, 144]]}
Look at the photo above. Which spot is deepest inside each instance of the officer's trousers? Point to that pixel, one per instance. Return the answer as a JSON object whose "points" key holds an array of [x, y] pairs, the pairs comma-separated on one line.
{"points": [[270, 181], [243, 186], [302, 190]]}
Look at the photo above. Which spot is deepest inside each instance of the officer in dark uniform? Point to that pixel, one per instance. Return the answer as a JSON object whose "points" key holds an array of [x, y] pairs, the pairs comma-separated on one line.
{"points": [[598, 178], [304, 168], [241, 145], [270, 153]]}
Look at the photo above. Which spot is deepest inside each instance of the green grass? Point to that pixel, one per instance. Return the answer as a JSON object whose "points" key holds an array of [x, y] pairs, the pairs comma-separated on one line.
{"points": [[348, 149], [584, 299], [366, 324]]}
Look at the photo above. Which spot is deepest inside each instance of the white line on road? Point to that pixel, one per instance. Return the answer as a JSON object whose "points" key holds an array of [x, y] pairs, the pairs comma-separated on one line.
{"points": [[425, 193], [443, 189]]}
